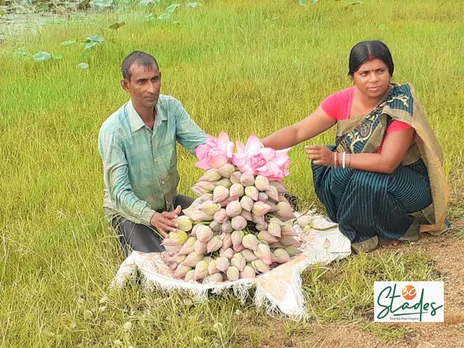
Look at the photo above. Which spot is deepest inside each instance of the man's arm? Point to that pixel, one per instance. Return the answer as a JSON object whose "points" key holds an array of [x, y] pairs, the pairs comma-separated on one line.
{"points": [[115, 173], [188, 134]]}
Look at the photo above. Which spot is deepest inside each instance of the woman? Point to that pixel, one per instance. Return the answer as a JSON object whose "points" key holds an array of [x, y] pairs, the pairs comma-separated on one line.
{"points": [[386, 164]]}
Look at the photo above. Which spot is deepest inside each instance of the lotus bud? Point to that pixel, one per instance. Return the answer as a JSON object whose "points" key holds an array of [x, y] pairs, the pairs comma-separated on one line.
{"points": [[292, 250], [233, 209], [272, 205], [257, 219], [283, 199], [274, 246], [304, 220], [237, 190], [249, 255], [184, 223], [238, 261], [262, 183], [288, 230], [181, 271], [232, 273], [201, 270], [263, 197], [189, 276], [220, 216], [264, 253], [209, 207], [189, 243], [224, 183], [252, 192], [238, 223], [248, 272], [220, 193], [192, 259], [281, 256], [237, 237], [213, 278], [204, 234], [247, 203], [178, 237], [260, 227], [235, 177], [250, 242], [212, 267], [198, 190], [225, 202], [277, 221], [279, 186], [246, 215], [239, 248], [208, 259], [260, 208], [186, 250], [274, 229], [200, 248], [173, 249], [177, 258], [289, 240], [226, 170], [285, 211], [227, 227], [260, 266], [227, 253], [214, 244], [215, 226], [210, 175], [226, 240], [273, 194], [222, 264], [247, 179], [206, 185], [267, 237]]}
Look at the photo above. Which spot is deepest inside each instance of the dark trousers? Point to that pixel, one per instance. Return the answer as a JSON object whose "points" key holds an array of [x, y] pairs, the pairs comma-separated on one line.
{"points": [[141, 237]]}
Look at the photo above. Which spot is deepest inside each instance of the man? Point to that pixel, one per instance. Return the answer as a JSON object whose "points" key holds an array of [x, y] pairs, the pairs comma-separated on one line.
{"points": [[138, 148]]}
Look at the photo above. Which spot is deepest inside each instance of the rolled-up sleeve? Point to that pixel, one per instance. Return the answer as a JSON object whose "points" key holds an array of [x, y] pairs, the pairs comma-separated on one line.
{"points": [[188, 133], [115, 172]]}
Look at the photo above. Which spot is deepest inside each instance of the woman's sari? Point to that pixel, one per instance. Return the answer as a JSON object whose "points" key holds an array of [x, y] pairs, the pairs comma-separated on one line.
{"points": [[367, 204]]}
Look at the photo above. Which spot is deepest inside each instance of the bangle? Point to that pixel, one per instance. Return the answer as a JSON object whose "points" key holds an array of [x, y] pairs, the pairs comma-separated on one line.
{"points": [[343, 159]]}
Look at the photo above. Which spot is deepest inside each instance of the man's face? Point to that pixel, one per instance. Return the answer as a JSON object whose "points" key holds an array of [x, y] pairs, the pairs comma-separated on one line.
{"points": [[144, 85]]}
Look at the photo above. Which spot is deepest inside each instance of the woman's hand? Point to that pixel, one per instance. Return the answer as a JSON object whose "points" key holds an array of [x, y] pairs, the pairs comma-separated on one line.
{"points": [[320, 155]]}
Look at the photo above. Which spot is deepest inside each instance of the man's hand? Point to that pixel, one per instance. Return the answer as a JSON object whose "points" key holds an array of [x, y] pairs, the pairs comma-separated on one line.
{"points": [[320, 155], [165, 222]]}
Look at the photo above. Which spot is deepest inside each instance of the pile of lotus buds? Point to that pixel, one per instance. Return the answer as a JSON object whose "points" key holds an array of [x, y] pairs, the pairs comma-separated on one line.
{"points": [[242, 227]]}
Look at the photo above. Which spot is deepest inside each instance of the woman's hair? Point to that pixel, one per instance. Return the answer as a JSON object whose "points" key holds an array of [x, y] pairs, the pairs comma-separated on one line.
{"points": [[366, 51]]}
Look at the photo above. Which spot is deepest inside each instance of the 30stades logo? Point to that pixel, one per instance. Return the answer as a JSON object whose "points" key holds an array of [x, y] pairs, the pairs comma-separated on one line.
{"points": [[409, 301]]}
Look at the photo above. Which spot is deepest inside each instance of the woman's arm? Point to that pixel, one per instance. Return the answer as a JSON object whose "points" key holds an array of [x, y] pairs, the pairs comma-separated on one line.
{"points": [[307, 128], [395, 146]]}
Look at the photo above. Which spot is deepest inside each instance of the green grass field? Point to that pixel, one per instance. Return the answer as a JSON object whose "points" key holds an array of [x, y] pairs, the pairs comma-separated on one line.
{"points": [[239, 66]]}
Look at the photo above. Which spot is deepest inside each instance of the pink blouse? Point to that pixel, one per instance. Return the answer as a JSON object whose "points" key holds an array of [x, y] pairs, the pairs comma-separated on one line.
{"points": [[338, 107]]}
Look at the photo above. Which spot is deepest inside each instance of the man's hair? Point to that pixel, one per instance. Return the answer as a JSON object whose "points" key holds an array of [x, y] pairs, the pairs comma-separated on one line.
{"points": [[139, 58]]}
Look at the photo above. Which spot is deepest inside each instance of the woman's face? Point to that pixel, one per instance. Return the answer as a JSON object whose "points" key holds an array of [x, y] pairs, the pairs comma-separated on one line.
{"points": [[372, 78]]}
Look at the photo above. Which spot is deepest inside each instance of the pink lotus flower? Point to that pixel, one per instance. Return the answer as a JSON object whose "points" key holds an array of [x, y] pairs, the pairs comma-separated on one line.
{"points": [[215, 153], [256, 159]]}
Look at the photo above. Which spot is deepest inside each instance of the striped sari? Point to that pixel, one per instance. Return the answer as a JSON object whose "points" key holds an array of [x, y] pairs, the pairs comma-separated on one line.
{"points": [[367, 205]]}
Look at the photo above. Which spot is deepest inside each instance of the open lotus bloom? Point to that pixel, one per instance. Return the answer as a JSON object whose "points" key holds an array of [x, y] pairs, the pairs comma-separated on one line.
{"points": [[255, 159], [215, 153]]}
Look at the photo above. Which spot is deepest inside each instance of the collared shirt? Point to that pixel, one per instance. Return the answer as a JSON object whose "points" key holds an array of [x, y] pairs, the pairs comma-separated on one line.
{"points": [[140, 164]]}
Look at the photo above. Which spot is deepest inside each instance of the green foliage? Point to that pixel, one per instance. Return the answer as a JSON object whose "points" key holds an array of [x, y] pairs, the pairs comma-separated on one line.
{"points": [[239, 66]]}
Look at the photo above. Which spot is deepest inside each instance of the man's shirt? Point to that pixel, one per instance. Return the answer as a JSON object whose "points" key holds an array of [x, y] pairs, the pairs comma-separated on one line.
{"points": [[140, 164]]}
